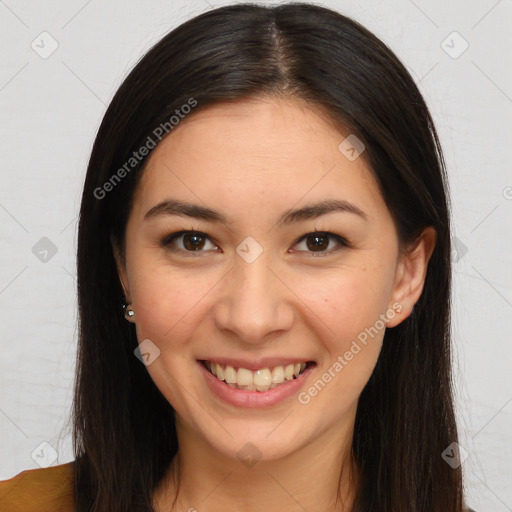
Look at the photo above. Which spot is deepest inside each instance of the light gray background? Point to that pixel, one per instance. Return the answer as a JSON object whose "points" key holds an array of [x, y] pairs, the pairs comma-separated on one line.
{"points": [[50, 111]]}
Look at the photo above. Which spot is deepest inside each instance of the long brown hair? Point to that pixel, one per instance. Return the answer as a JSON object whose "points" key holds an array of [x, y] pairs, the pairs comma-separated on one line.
{"points": [[124, 431]]}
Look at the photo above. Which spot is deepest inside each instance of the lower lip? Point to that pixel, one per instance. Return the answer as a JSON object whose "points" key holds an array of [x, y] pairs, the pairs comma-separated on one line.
{"points": [[255, 399]]}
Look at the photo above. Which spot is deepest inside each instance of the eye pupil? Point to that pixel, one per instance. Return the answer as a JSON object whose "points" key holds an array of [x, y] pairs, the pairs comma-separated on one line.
{"points": [[318, 244], [195, 245]]}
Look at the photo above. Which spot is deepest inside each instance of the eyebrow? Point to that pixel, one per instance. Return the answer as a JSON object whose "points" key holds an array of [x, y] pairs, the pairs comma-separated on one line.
{"points": [[311, 211]]}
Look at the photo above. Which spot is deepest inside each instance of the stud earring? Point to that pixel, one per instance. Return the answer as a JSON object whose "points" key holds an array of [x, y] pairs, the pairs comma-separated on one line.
{"points": [[129, 313]]}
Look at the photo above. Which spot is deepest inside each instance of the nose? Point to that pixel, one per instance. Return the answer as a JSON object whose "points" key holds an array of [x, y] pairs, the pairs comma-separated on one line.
{"points": [[254, 303]]}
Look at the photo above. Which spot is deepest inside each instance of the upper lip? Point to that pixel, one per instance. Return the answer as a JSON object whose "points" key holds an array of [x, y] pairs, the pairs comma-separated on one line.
{"points": [[256, 364]]}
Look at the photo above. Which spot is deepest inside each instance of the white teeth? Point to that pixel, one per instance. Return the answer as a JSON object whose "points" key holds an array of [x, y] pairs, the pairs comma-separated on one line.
{"points": [[288, 372], [278, 375], [230, 375], [219, 372], [244, 377], [260, 380]]}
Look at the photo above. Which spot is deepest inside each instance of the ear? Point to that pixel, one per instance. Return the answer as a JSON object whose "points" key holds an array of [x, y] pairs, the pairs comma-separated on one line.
{"points": [[121, 269], [410, 275]]}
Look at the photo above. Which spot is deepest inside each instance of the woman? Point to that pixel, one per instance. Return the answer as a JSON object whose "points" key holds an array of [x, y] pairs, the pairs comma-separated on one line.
{"points": [[245, 344]]}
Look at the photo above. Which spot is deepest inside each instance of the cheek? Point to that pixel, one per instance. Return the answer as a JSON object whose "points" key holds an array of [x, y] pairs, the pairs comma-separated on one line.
{"points": [[167, 303], [351, 308], [348, 304], [348, 300]]}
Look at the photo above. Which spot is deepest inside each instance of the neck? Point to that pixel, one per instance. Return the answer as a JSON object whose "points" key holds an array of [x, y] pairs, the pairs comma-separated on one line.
{"points": [[319, 476]]}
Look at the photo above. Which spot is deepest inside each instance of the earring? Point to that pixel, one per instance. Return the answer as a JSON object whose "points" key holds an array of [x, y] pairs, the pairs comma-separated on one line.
{"points": [[128, 311]]}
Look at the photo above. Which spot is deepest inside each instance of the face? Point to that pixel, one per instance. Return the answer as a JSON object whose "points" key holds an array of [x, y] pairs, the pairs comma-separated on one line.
{"points": [[253, 287]]}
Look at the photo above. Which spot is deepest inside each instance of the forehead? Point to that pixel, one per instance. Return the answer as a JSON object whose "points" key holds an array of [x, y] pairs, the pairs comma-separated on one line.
{"points": [[253, 154]]}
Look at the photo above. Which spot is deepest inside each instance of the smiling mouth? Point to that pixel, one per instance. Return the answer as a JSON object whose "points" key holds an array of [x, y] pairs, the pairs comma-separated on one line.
{"points": [[259, 380]]}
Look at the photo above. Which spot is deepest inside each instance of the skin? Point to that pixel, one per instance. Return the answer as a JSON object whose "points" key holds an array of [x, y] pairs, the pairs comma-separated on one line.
{"points": [[252, 160]]}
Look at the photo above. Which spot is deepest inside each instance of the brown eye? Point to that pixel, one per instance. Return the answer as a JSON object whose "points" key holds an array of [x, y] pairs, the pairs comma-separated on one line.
{"points": [[318, 242], [191, 241]]}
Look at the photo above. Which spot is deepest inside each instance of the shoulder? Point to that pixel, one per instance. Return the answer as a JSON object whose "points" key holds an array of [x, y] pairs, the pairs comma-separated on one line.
{"points": [[39, 489]]}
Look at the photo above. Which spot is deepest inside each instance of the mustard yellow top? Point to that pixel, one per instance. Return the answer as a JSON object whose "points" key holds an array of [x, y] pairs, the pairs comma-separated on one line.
{"points": [[39, 490]]}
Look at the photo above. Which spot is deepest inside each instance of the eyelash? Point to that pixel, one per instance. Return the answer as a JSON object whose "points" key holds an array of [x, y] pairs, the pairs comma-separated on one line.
{"points": [[167, 240]]}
